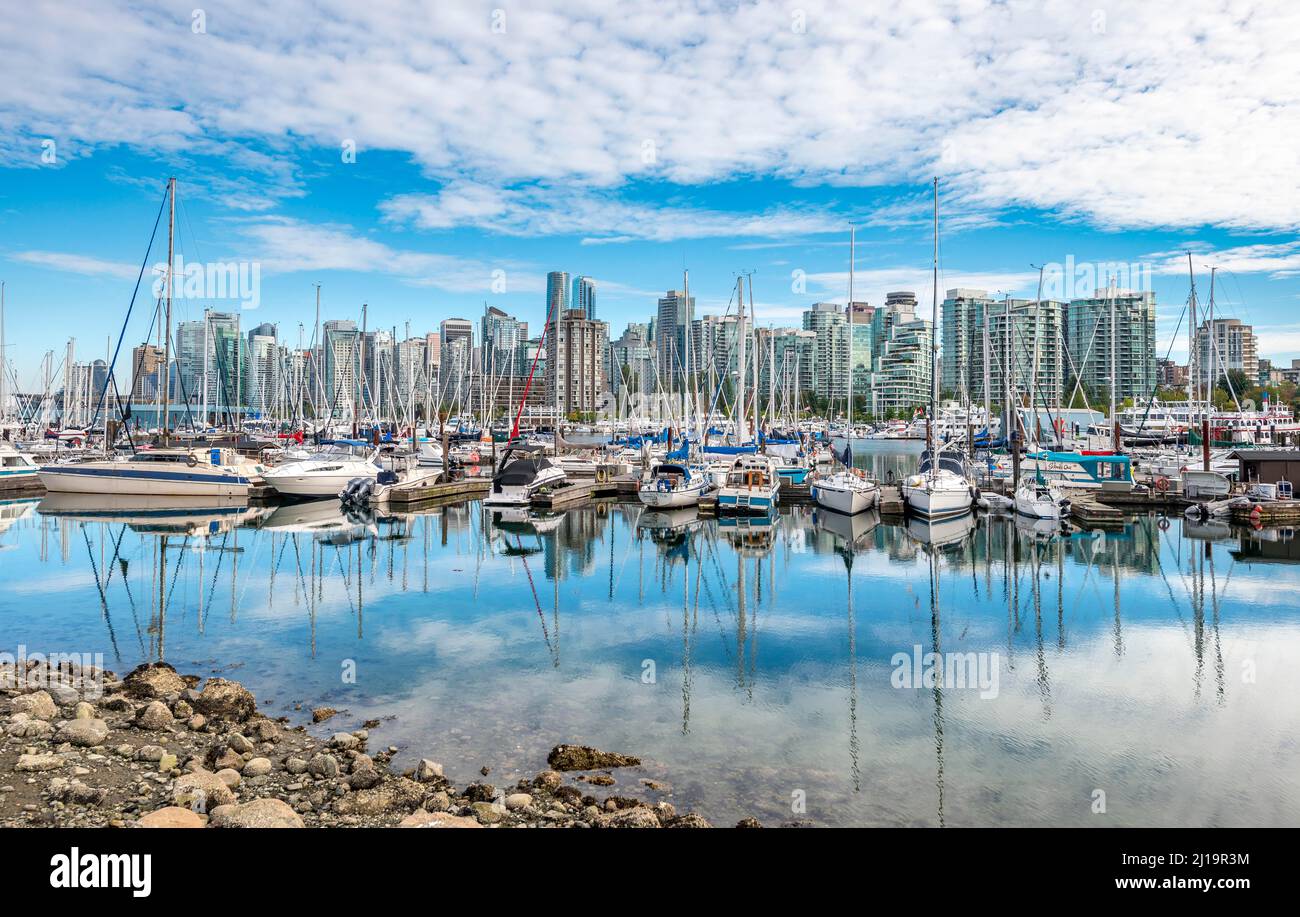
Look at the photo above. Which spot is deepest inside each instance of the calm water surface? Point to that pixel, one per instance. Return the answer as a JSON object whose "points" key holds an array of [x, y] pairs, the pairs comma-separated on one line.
{"points": [[751, 667]]}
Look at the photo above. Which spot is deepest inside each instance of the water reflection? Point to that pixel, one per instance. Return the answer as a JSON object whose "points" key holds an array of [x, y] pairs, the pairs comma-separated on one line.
{"points": [[748, 661]]}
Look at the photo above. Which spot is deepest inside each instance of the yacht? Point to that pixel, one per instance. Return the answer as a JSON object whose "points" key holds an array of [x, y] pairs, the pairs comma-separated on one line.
{"points": [[524, 470], [846, 491], [175, 472], [939, 489], [15, 467], [751, 486], [671, 485], [1038, 499], [401, 477], [327, 471]]}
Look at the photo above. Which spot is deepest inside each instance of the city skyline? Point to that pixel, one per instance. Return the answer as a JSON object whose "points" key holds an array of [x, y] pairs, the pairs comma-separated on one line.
{"points": [[431, 217]]}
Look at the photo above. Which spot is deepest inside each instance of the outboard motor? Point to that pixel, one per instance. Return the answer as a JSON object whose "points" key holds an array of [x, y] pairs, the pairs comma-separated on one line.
{"points": [[356, 491]]}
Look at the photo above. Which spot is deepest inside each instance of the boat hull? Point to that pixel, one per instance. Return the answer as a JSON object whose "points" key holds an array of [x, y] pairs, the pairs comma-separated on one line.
{"points": [[937, 503], [314, 485], [742, 500], [103, 478], [847, 500]]}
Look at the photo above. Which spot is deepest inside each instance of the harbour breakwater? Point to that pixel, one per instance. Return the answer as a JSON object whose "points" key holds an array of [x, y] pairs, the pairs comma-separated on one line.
{"points": [[80, 747]]}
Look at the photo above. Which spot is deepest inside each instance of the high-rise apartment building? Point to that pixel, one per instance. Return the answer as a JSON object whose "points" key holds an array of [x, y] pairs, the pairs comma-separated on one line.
{"points": [[1088, 339], [575, 364], [584, 296], [1225, 346], [673, 322]]}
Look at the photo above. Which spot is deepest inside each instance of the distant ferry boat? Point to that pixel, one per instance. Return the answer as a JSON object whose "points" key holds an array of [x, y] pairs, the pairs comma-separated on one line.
{"points": [[1170, 419]]}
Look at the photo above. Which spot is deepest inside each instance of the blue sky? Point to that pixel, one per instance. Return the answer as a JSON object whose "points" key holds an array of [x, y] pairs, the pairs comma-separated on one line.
{"points": [[719, 138]]}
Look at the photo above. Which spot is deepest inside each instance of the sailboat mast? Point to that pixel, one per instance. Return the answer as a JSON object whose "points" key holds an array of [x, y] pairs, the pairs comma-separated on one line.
{"points": [[740, 362], [1114, 379], [849, 432], [167, 333], [753, 324], [934, 337]]}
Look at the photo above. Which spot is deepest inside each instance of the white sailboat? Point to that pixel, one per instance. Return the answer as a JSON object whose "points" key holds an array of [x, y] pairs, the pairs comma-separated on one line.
{"points": [[941, 487], [1040, 499], [672, 484]]}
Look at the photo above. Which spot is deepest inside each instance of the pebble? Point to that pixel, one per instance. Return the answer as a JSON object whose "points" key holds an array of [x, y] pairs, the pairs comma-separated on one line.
{"points": [[257, 767]]}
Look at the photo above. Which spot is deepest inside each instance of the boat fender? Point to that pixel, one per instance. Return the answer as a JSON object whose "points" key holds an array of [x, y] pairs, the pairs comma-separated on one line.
{"points": [[191, 460], [1163, 524]]}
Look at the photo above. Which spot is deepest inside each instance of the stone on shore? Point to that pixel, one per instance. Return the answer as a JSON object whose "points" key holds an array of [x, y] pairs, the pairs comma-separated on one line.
{"points": [[257, 767], [423, 819], [227, 699], [427, 770], [402, 795], [84, 733], [38, 763], [154, 680], [259, 813], [586, 758], [170, 817], [154, 715], [38, 704], [321, 714], [201, 791]]}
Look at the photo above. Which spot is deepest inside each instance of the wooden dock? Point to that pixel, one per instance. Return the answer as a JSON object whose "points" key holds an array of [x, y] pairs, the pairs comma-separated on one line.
{"points": [[1268, 512], [448, 490], [574, 493]]}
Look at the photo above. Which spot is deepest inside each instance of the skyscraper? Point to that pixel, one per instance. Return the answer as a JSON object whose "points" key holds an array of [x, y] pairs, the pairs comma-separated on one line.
{"points": [[584, 296], [557, 293], [1229, 346], [576, 354], [501, 336], [1088, 341], [672, 325], [828, 378]]}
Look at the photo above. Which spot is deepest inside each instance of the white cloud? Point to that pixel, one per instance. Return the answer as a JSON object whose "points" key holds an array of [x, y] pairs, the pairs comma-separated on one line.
{"points": [[1158, 114], [77, 264]]}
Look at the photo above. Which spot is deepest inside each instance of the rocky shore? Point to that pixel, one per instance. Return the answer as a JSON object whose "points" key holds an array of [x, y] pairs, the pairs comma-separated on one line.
{"points": [[81, 747]]}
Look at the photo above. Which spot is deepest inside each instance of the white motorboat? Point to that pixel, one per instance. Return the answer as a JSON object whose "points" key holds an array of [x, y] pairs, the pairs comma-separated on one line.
{"points": [[327, 472], [846, 491], [523, 472], [752, 486], [1038, 499], [15, 467], [400, 478], [939, 489], [671, 485], [174, 472]]}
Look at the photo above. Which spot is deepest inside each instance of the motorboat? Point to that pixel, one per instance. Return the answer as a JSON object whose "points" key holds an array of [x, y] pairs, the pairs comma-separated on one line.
{"points": [[523, 471], [401, 477], [16, 468], [941, 488], [671, 485], [1038, 499], [327, 471], [751, 486], [172, 472]]}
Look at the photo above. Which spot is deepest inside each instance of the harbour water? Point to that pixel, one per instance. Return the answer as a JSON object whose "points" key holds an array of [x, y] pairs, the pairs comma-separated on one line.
{"points": [[1141, 676]]}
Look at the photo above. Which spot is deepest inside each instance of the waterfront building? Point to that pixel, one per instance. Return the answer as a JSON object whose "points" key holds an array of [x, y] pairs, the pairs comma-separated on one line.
{"points": [[501, 336], [1088, 341], [146, 373], [1222, 347], [576, 363], [631, 368], [673, 322], [901, 345], [339, 367], [828, 376]]}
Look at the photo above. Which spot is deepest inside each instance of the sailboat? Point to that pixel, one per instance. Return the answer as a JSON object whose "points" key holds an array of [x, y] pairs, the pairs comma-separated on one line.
{"points": [[847, 490], [1039, 499], [941, 487]]}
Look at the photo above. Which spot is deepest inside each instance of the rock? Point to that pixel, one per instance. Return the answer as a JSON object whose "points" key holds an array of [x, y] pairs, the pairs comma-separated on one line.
{"points": [[549, 780], [689, 820], [65, 695], [321, 714], [74, 791], [364, 778], [153, 680], [265, 731], [598, 779], [402, 795], [480, 792], [227, 758], [344, 741], [323, 765], [170, 817], [118, 704], [197, 722], [423, 819], [227, 699], [150, 753], [38, 705], [427, 770], [201, 791], [181, 710], [154, 715], [83, 711], [239, 743], [295, 765], [586, 758], [167, 762], [38, 763], [438, 802], [84, 733], [230, 777], [639, 817], [24, 726], [257, 767], [487, 813], [516, 801], [259, 813], [749, 823]]}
